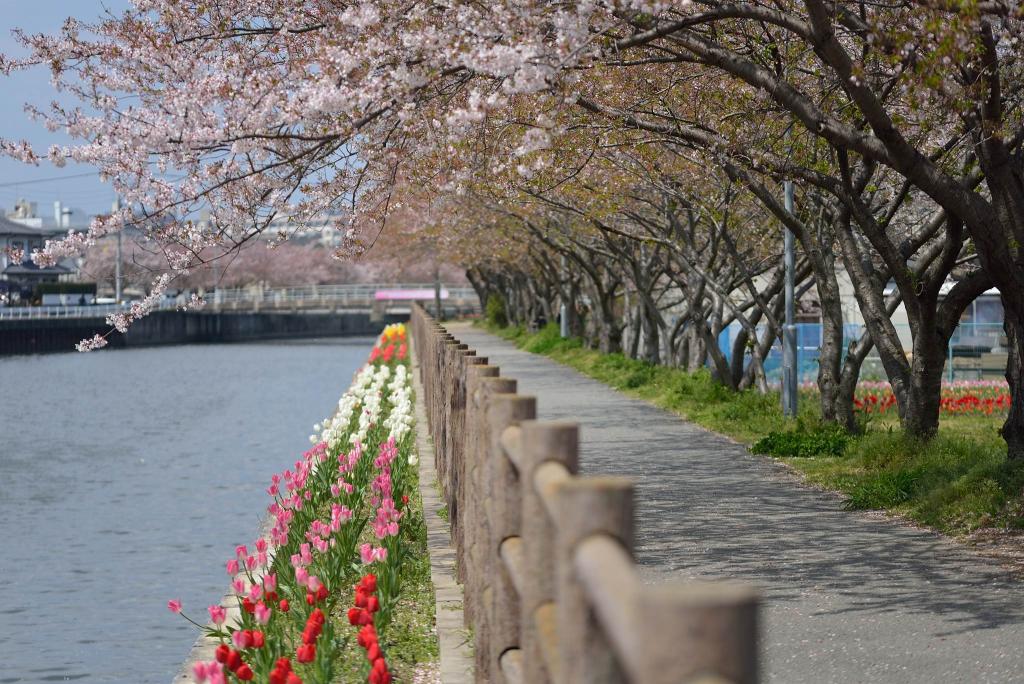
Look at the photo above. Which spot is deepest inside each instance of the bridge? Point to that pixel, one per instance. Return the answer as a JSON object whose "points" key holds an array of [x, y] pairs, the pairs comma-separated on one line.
{"points": [[380, 299]]}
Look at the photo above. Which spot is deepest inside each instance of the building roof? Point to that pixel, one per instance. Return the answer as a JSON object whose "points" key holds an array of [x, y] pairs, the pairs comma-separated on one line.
{"points": [[29, 268], [13, 228]]}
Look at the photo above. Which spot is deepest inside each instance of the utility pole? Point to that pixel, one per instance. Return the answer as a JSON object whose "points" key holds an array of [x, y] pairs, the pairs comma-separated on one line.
{"points": [[789, 358], [438, 311], [563, 323], [117, 264]]}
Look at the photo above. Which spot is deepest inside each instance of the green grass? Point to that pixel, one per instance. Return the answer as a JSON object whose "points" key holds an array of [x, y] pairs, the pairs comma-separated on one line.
{"points": [[957, 482]]}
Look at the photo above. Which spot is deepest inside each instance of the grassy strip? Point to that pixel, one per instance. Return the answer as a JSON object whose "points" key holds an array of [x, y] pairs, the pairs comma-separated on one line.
{"points": [[957, 482]]}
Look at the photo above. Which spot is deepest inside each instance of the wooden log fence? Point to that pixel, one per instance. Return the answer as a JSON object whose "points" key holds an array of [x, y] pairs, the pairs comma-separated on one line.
{"points": [[552, 592]]}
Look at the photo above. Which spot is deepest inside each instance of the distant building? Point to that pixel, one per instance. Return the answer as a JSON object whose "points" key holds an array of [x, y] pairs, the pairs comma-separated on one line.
{"points": [[17, 280], [25, 214]]}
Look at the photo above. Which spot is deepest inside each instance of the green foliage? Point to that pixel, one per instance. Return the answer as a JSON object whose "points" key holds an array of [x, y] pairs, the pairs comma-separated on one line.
{"points": [[882, 490], [495, 311], [548, 340], [956, 482], [826, 439]]}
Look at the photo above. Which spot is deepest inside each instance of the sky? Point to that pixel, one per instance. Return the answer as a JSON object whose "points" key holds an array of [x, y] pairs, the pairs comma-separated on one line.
{"points": [[45, 183]]}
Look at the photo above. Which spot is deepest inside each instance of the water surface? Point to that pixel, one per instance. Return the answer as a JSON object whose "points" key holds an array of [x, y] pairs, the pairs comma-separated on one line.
{"points": [[126, 479]]}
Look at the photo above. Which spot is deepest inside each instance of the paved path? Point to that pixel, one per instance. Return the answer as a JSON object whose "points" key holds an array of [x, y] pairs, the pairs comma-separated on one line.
{"points": [[849, 597]]}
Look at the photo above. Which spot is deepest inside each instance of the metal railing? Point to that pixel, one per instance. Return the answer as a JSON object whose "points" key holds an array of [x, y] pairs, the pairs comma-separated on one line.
{"points": [[77, 311], [362, 293], [546, 556], [357, 296]]}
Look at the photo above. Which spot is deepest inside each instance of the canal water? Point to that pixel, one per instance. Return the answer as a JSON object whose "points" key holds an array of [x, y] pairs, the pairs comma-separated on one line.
{"points": [[127, 477]]}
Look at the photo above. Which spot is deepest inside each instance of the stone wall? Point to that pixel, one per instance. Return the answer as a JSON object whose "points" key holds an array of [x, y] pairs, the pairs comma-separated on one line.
{"points": [[178, 327]]}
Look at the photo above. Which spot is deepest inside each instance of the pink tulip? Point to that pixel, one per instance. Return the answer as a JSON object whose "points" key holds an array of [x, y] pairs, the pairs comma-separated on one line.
{"points": [[241, 552], [262, 613], [232, 567], [218, 614], [366, 554], [200, 671], [270, 582], [174, 605], [242, 638]]}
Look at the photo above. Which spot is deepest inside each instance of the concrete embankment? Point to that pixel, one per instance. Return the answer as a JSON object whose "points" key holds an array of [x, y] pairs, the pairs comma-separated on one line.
{"points": [[35, 336]]}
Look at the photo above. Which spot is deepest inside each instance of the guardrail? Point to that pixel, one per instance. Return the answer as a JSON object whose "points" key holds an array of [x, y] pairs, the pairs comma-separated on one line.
{"points": [[456, 300], [362, 293], [546, 557], [77, 311]]}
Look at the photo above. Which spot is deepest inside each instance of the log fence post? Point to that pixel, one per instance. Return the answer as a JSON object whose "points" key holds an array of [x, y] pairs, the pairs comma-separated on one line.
{"points": [[504, 505]]}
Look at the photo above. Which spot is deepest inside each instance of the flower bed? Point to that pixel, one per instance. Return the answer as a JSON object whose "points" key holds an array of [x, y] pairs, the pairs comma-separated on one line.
{"points": [[324, 584], [978, 397]]}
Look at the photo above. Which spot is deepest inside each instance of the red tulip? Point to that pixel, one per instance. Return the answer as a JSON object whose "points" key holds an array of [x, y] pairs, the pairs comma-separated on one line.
{"points": [[305, 653], [244, 673], [234, 660], [221, 654], [283, 605]]}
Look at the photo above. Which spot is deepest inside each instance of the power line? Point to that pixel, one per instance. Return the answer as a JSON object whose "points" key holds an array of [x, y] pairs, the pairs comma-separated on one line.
{"points": [[47, 180]]}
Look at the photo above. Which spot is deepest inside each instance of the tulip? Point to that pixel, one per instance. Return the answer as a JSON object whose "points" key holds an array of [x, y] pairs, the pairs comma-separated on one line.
{"points": [[283, 605], [305, 653], [174, 605], [262, 613], [234, 660], [244, 673], [218, 614]]}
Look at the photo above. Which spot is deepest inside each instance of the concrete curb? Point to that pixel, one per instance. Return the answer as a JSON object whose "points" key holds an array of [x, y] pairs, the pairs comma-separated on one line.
{"points": [[452, 635], [204, 647]]}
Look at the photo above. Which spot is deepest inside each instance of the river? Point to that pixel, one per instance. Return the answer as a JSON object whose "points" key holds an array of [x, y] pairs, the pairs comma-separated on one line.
{"points": [[127, 477]]}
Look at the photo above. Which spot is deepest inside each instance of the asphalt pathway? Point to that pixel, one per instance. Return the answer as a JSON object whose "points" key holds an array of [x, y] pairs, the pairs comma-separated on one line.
{"points": [[849, 597]]}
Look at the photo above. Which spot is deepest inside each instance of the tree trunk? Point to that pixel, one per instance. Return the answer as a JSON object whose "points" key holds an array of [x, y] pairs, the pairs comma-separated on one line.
{"points": [[924, 391], [1013, 428], [831, 351], [649, 326]]}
